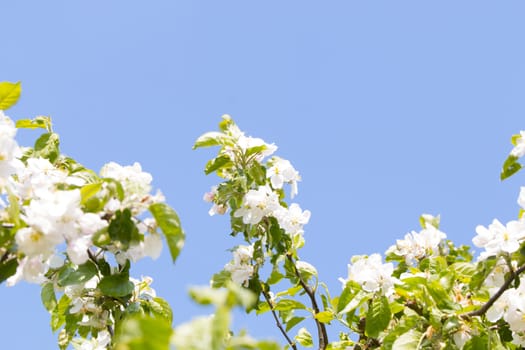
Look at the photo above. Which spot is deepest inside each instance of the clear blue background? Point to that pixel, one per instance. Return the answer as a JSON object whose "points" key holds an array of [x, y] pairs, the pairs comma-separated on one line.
{"points": [[388, 109]]}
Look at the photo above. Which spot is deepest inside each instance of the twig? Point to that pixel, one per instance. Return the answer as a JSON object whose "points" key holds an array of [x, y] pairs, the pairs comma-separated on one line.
{"points": [[321, 329], [278, 323], [481, 311]]}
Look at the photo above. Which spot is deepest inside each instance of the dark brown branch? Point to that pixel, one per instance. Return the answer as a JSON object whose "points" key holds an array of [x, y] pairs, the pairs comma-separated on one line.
{"points": [[278, 322], [481, 311], [321, 329]]}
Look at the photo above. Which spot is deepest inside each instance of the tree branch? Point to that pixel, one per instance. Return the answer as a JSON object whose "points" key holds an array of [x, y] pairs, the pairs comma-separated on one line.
{"points": [[278, 322], [481, 311], [321, 329]]}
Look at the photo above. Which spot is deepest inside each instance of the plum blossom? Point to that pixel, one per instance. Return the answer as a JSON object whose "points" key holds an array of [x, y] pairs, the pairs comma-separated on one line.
{"points": [[519, 149], [372, 274], [257, 204], [280, 172], [240, 267], [419, 245], [497, 238]]}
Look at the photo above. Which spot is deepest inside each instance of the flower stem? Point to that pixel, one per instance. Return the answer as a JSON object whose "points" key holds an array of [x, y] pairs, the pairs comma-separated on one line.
{"points": [[321, 329], [278, 322], [481, 311]]}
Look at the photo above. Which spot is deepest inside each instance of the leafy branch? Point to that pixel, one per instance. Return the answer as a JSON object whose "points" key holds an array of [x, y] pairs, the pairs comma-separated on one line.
{"points": [[278, 322], [321, 329], [481, 311]]}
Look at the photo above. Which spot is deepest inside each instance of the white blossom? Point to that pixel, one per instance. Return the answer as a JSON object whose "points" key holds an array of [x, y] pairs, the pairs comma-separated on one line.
{"points": [[497, 238], [372, 274], [292, 219], [9, 149], [519, 148], [31, 269], [419, 245], [136, 184], [280, 172], [143, 290], [217, 208], [240, 268], [194, 334], [101, 342], [257, 204]]}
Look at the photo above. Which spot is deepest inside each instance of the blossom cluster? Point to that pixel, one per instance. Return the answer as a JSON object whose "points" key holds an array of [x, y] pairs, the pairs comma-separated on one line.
{"points": [[63, 226], [418, 245], [511, 307], [251, 161], [241, 268], [371, 274], [52, 212]]}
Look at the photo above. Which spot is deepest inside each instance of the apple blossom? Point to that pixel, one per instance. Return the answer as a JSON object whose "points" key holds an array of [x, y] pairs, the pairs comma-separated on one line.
{"points": [[281, 171], [372, 274], [240, 268], [257, 204], [519, 149], [497, 238]]}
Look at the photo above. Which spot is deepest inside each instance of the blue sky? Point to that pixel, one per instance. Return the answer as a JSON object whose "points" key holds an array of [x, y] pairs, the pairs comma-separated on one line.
{"points": [[388, 109]]}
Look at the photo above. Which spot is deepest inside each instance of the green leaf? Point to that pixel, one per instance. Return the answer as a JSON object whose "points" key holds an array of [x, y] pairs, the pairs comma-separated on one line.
{"points": [[220, 279], [58, 315], [69, 276], [514, 139], [47, 294], [122, 230], [207, 295], [478, 342], [9, 94], [169, 223], [378, 316], [160, 307], [258, 173], [344, 299], [217, 163], [116, 286], [143, 333], [220, 327], [304, 338], [294, 321], [483, 269], [510, 167], [325, 316], [209, 139], [88, 191], [40, 122], [226, 122], [8, 269], [289, 304], [46, 146], [241, 296], [275, 276], [408, 341]]}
